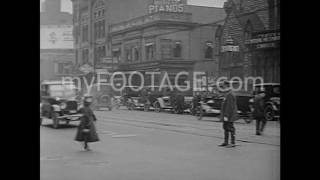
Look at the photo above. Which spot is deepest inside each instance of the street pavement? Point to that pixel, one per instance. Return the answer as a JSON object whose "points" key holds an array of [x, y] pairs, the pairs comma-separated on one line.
{"points": [[137, 145]]}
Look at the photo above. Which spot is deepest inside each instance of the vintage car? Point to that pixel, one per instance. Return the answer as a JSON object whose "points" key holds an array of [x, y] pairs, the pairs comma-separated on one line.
{"points": [[132, 98], [182, 103], [163, 104], [272, 99], [211, 105], [58, 102], [102, 97]]}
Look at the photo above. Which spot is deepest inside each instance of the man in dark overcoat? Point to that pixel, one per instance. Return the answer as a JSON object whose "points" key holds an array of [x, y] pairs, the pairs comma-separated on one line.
{"points": [[228, 115], [258, 112]]}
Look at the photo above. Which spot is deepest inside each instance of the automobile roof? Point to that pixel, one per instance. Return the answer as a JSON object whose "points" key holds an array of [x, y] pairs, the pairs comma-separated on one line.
{"points": [[56, 83], [267, 84]]}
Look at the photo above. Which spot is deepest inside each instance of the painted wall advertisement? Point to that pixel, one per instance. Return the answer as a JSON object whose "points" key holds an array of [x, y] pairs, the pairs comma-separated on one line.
{"points": [[167, 6], [56, 37]]}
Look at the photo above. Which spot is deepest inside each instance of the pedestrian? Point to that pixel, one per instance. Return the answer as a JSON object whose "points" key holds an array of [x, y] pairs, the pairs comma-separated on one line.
{"points": [[228, 115], [86, 132], [258, 112]]}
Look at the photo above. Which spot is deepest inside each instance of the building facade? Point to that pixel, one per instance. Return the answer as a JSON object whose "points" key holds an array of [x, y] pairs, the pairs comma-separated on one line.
{"points": [[250, 40], [57, 58], [146, 35]]}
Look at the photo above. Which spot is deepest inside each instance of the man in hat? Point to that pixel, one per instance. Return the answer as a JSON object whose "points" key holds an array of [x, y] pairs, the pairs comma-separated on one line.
{"points": [[228, 114], [258, 112]]}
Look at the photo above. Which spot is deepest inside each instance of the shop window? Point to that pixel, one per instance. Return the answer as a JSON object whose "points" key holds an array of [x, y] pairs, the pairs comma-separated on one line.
{"points": [[177, 49], [208, 50]]}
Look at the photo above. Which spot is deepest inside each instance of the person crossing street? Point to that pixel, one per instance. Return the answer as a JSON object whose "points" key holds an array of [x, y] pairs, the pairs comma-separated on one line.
{"points": [[86, 131]]}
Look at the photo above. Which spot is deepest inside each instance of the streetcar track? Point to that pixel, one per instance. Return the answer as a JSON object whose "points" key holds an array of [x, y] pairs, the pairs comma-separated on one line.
{"points": [[116, 121]]}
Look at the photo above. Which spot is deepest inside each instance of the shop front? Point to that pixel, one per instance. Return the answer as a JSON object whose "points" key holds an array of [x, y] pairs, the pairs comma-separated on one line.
{"points": [[264, 53]]}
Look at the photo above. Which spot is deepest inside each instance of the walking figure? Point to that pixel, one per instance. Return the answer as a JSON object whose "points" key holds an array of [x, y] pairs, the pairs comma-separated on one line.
{"points": [[228, 115], [258, 112], [86, 130]]}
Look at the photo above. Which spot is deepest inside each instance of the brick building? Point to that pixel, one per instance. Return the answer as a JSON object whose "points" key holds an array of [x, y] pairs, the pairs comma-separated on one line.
{"points": [[143, 35], [250, 39], [57, 56]]}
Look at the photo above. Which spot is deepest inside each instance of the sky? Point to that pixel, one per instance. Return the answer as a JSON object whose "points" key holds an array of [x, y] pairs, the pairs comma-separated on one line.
{"points": [[67, 5]]}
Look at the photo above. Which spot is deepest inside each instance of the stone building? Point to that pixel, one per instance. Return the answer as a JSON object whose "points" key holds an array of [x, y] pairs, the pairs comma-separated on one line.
{"points": [[146, 35], [250, 40], [57, 56]]}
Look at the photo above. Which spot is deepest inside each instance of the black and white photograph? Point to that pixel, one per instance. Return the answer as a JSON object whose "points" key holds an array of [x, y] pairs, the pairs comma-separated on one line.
{"points": [[160, 90]]}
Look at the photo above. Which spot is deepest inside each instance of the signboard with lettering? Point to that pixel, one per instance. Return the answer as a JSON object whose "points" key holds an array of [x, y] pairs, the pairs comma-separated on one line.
{"points": [[56, 37], [263, 40], [230, 48], [86, 68], [265, 37], [167, 6]]}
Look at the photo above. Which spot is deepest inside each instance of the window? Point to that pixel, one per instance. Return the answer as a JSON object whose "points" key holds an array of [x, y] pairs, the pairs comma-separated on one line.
{"points": [[100, 52], [248, 31], [128, 54], [85, 55], [208, 50], [149, 51], [116, 55], [177, 49], [136, 53], [85, 33]]}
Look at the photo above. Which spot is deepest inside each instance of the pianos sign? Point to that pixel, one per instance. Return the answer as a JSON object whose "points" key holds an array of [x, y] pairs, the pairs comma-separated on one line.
{"points": [[167, 6]]}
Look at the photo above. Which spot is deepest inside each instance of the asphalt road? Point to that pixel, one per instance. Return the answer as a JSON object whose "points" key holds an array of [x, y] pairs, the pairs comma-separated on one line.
{"points": [[138, 145]]}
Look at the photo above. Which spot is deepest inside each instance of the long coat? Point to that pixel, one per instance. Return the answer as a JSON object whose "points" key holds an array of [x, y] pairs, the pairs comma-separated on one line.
{"points": [[87, 122], [258, 106], [229, 107]]}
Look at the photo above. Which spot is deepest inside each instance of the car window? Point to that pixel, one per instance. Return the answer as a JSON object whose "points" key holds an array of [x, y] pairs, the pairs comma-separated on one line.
{"points": [[62, 90], [276, 90]]}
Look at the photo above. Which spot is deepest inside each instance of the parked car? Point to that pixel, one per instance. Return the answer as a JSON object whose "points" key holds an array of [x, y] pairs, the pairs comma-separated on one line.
{"points": [[102, 97], [210, 105], [272, 99], [163, 104], [58, 102]]}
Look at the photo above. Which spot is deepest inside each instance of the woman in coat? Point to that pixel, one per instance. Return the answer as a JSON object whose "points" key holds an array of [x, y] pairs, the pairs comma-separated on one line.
{"points": [[86, 130]]}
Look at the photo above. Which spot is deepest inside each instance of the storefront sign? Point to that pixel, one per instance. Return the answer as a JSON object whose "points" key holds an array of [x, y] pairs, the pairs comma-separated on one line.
{"points": [[167, 6], [86, 68], [265, 37], [56, 37], [230, 48], [143, 65]]}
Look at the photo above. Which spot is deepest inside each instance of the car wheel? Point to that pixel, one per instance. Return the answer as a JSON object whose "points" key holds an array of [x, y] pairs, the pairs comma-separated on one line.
{"points": [[157, 107], [269, 113], [55, 120]]}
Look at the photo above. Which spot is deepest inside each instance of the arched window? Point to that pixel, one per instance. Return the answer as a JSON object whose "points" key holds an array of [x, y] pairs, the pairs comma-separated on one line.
{"points": [[248, 30], [209, 50], [177, 49]]}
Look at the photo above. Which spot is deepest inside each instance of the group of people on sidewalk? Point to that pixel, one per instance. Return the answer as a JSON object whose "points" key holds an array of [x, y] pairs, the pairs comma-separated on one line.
{"points": [[229, 114]]}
